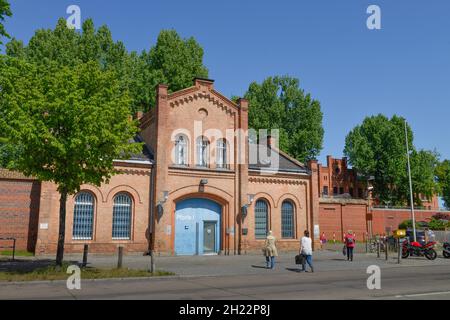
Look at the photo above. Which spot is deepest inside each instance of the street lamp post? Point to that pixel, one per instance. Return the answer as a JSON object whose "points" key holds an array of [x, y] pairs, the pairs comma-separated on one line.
{"points": [[410, 185]]}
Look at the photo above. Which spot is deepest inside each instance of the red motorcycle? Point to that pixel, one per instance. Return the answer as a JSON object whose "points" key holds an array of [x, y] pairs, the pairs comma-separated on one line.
{"points": [[418, 250]]}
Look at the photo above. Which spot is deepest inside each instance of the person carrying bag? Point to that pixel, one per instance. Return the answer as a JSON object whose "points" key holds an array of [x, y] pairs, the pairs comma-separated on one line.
{"points": [[306, 251]]}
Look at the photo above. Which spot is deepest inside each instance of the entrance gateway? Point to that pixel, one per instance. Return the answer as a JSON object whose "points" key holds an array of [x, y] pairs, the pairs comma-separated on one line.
{"points": [[197, 227]]}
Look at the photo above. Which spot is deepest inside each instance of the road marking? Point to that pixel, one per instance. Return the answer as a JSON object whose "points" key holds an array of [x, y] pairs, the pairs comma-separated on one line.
{"points": [[423, 294]]}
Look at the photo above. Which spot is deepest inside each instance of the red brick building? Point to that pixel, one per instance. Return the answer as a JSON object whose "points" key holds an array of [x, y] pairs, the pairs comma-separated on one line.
{"points": [[345, 204], [200, 186], [195, 189], [19, 209]]}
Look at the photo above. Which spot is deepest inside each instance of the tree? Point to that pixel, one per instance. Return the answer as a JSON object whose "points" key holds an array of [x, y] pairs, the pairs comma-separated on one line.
{"points": [[443, 178], [279, 103], [173, 61], [5, 10], [70, 123], [176, 60], [423, 175], [377, 148]]}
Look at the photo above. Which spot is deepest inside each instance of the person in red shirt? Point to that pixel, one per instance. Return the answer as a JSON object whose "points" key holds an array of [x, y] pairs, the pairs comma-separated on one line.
{"points": [[323, 240], [350, 241]]}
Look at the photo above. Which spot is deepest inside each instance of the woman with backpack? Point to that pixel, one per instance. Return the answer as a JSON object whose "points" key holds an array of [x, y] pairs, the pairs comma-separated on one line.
{"points": [[349, 242]]}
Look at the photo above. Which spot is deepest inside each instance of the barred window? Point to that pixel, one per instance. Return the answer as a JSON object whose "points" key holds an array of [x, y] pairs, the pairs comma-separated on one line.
{"points": [[287, 220], [202, 152], [261, 219], [221, 159], [181, 150], [83, 216], [121, 228]]}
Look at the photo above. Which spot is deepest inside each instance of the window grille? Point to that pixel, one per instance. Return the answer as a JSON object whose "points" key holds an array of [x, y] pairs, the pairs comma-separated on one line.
{"points": [[261, 218], [287, 220], [221, 159], [202, 152], [181, 150], [83, 216], [122, 217]]}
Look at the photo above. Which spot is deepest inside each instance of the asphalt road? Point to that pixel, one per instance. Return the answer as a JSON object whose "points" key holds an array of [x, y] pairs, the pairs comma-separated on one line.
{"points": [[411, 282]]}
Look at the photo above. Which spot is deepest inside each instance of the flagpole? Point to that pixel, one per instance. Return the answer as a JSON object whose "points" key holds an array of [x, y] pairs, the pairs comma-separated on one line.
{"points": [[410, 185]]}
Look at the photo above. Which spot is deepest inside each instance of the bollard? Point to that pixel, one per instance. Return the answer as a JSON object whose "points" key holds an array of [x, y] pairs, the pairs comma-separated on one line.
{"points": [[399, 250], [152, 262], [386, 247], [14, 249], [119, 260], [378, 248], [85, 255]]}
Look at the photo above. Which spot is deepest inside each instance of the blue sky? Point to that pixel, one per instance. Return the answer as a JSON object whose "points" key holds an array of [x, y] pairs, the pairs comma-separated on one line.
{"points": [[404, 68]]}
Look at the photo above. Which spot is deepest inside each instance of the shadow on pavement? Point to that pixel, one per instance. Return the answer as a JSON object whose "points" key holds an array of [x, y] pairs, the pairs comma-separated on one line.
{"points": [[298, 270], [25, 266], [260, 267]]}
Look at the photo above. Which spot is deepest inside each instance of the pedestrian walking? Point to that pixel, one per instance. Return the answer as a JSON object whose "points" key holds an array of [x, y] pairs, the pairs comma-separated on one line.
{"points": [[270, 249], [306, 251], [429, 235], [323, 240], [349, 242]]}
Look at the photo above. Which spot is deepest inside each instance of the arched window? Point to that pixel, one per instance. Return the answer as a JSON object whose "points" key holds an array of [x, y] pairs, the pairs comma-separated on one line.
{"points": [[181, 150], [202, 152], [121, 228], [261, 219], [287, 219], [83, 216], [221, 154]]}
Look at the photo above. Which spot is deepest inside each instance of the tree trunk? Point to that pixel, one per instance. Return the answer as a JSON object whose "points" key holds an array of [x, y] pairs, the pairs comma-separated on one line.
{"points": [[62, 228]]}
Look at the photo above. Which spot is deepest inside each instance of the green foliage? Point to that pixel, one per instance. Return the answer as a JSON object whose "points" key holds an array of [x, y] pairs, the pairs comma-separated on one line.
{"points": [[435, 224], [53, 272], [173, 61], [70, 122], [5, 10], [407, 224], [279, 103], [423, 175], [177, 61], [443, 178], [377, 148]]}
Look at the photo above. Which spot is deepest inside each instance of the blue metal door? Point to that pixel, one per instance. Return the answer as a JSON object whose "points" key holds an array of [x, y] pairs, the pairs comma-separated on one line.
{"points": [[190, 218]]}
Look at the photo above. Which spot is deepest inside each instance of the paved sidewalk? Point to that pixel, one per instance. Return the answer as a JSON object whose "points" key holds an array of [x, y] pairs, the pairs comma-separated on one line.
{"points": [[324, 261]]}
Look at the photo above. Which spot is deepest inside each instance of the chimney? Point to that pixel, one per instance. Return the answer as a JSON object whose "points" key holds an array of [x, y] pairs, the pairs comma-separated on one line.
{"points": [[203, 82], [344, 162], [329, 161], [138, 115], [243, 104], [271, 141]]}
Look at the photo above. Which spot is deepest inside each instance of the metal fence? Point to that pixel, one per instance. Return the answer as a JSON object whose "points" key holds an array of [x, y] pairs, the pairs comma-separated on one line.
{"points": [[12, 245], [442, 236]]}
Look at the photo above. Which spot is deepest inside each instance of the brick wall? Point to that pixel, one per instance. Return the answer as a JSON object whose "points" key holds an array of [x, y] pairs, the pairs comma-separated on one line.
{"points": [[19, 212], [133, 179], [385, 220], [339, 216]]}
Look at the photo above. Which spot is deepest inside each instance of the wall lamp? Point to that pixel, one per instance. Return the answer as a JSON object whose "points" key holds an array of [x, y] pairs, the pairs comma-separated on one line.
{"points": [[244, 209], [160, 205], [251, 197]]}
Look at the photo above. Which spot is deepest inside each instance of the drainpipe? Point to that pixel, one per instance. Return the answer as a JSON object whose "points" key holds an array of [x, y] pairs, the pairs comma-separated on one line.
{"points": [[152, 216]]}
